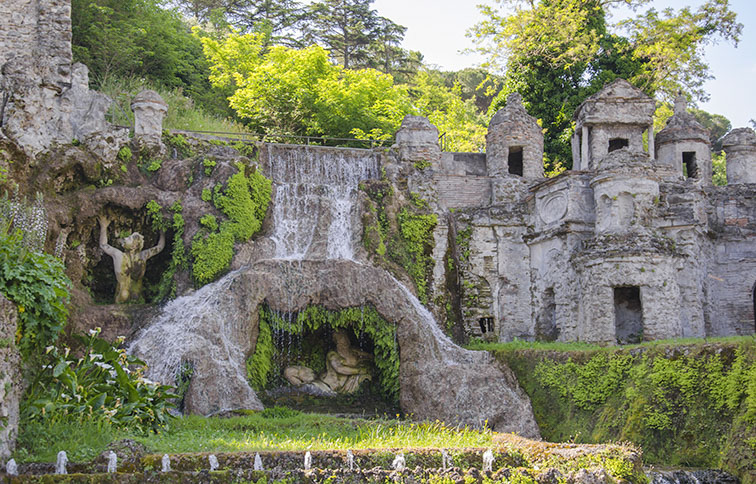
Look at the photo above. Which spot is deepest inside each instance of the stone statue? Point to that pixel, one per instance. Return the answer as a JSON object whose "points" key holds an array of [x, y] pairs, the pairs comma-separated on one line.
{"points": [[346, 369], [130, 264]]}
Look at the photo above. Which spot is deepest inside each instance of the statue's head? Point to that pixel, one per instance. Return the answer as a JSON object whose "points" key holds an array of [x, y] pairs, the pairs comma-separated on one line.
{"points": [[133, 243]]}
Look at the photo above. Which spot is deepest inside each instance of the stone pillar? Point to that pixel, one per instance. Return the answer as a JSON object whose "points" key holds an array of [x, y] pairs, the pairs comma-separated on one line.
{"points": [[575, 152], [10, 378], [584, 151], [149, 112], [417, 140], [651, 147], [740, 147]]}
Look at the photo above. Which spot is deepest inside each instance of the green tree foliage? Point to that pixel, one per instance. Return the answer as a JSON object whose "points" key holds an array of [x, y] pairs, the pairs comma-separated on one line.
{"points": [[557, 52], [346, 28], [301, 92], [463, 126], [125, 38]]}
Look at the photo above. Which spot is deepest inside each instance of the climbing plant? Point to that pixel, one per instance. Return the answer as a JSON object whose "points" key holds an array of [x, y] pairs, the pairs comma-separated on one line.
{"points": [[361, 320]]}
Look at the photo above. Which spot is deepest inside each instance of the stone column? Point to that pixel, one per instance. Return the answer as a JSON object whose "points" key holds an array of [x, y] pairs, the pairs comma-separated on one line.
{"points": [[584, 150], [575, 152], [651, 147], [10, 378], [149, 112]]}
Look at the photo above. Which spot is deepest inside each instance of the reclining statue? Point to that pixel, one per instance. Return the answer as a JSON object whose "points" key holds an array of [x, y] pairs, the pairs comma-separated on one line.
{"points": [[346, 369], [130, 264]]}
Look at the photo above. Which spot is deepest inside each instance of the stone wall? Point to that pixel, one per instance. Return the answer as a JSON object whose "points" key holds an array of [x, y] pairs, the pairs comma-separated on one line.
{"points": [[10, 378], [39, 29]]}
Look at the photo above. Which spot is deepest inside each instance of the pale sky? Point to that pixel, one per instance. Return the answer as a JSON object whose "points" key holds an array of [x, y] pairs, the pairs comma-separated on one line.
{"points": [[437, 29]]}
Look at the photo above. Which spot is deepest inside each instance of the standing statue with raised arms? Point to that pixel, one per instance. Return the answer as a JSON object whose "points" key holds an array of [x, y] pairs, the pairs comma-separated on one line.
{"points": [[129, 264]]}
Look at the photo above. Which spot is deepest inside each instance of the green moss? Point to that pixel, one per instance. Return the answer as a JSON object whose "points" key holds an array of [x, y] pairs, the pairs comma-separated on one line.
{"points": [[124, 154], [692, 405], [209, 222], [416, 232], [209, 164], [207, 195], [422, 164], [244, 202], [167, 286], [260, 363], [211, 255], [179, 143]]}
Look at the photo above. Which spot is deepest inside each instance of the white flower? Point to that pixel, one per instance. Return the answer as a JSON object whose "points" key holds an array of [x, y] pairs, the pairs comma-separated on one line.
{"points": [[95, 356], [103, 365]]}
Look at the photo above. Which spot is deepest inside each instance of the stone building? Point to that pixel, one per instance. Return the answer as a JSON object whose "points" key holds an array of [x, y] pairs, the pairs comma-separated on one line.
{"points": [[633, 244]]}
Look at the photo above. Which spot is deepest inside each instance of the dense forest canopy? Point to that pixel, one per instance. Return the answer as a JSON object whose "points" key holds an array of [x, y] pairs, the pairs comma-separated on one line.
{"points": [[338, 68]]}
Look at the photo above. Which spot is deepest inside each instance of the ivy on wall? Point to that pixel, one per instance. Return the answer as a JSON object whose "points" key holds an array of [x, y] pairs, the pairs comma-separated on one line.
{"points": [[361, 320], [405, 238], [692, 406]]}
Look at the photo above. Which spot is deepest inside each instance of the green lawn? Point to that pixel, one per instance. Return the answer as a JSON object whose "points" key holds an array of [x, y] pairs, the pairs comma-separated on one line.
{"points": [[267, 430]]}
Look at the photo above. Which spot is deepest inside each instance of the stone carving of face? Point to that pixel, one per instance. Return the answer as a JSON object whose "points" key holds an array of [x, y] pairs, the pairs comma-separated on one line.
{"points": [[134, 242]]}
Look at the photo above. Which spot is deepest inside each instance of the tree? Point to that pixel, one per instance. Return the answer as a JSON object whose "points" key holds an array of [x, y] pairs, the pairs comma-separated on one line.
{"points": [[282, 20], [459, 120], [291, 91], [124, 38], [557, 52], [347, 28]]}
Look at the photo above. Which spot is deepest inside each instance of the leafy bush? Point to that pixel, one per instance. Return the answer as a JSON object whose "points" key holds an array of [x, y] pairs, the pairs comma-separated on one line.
{"points": [[36, 282], [105, 383]]}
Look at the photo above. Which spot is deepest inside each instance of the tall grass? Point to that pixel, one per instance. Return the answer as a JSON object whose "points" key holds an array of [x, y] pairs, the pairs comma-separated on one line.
{"points": [[183, 114], [255, 432]]}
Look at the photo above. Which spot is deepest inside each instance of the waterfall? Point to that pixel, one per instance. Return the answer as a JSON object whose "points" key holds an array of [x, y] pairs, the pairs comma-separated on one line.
{"points": [[315, 189]]}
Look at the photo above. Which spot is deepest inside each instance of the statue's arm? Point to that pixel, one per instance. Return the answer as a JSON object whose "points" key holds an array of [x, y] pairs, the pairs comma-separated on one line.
{"points": [[148, 253], [342, 369], [104, 222]]}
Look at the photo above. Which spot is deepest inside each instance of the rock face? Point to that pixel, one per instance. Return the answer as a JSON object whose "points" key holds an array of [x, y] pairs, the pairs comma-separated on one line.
{"points": [[45, 99], [10, 378], [438, 379]]}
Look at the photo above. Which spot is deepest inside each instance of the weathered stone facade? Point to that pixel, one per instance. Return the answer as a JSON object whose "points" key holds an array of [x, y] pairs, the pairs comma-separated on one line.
{"points": [[44, 98], [633, 244]]}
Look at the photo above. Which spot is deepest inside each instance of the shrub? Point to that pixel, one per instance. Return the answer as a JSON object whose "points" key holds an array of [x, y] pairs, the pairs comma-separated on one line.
{"points": [[104, 384]]}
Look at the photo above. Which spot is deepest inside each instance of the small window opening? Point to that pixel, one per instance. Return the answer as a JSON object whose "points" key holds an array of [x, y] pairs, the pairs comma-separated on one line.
{"points": [[690, 168], [486, 325], [515, 160], [628, 315], [617, 143]]}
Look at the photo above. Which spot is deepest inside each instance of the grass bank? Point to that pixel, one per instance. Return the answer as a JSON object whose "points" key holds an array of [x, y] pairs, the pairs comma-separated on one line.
{"points": [[271, 429], [688, 403]]}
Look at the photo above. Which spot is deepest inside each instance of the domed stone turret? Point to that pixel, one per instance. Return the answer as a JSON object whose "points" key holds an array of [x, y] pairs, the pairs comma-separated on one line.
{"points": [[740, 147], [684, 145], [514, 143], [611, 119], [417, 140]]}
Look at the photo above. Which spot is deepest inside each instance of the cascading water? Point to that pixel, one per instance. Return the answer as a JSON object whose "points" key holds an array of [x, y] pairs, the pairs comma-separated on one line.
{"points": [[314, 195], [315, 223]]}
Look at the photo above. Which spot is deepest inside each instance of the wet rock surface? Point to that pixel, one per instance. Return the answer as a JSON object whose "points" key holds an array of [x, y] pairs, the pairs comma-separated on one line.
{"points": [[438, 379]]}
